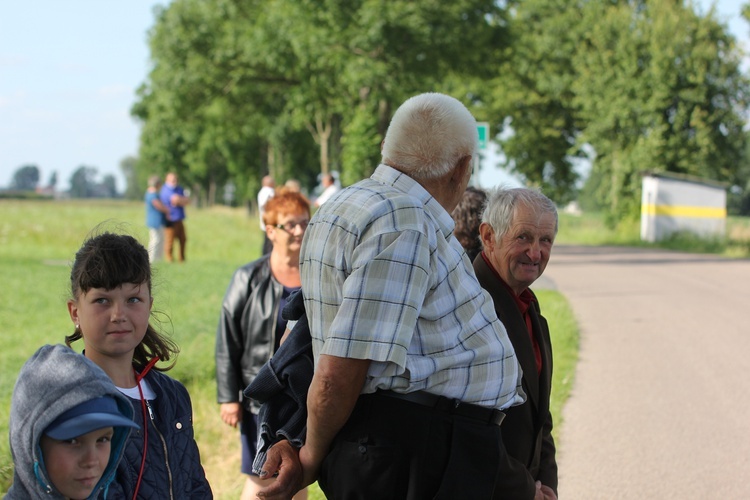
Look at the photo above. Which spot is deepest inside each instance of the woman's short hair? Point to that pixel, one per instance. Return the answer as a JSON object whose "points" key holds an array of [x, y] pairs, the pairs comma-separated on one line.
{"points": [[285, 202], [428, 135]]}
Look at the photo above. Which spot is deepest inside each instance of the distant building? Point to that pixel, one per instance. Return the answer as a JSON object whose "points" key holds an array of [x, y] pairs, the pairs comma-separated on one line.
{"points": [[672, 202]]}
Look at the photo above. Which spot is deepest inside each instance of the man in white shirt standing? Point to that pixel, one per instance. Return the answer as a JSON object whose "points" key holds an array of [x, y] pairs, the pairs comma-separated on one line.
{"points": [[329, 188]]}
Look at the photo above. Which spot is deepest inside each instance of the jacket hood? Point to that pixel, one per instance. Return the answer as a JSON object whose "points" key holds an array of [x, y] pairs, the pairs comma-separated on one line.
{"points": [[54, 380]]}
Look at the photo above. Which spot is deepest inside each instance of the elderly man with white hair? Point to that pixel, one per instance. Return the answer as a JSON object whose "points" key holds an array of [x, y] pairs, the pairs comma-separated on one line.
{"points": [[413, 369], [517, 232]]}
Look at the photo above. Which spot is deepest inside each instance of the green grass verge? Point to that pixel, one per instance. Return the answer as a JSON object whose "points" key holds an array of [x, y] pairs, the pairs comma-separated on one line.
{"points": [[564, 335], [590, 229], [39, 238]]}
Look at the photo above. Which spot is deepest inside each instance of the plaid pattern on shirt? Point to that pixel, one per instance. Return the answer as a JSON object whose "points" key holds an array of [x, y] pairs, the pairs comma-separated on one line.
{"points": [[385, 279]]}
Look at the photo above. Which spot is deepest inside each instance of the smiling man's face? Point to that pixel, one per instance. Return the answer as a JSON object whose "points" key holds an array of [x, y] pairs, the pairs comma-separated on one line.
{"points": [[522, 253]]}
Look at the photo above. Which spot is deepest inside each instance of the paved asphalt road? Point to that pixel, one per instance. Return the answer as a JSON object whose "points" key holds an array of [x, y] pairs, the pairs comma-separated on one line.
{"points": [[660, 407]]}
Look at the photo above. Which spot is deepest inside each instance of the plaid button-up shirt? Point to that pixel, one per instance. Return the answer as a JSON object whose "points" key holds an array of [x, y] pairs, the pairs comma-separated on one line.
{"points": [[384, 279]]}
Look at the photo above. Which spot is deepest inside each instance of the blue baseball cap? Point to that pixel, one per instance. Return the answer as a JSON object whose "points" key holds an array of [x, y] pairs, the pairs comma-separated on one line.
{"points": [[88, 416]]}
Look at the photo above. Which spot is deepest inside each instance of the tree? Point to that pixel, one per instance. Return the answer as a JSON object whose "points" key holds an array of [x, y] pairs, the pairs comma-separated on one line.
{"points": [[25, 178], [83, 182], [529, 101], [233, 81], [738, 197], [659, 88], [108, 187], [52, 180], [135, 184]]}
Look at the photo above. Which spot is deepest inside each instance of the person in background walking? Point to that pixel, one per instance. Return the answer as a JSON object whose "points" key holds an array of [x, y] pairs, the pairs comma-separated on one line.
{"points": [[156, 218], [173, 197]]}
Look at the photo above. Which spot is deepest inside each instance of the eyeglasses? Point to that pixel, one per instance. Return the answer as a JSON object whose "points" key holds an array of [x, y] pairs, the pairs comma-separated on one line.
{"points": [[289, 227]]}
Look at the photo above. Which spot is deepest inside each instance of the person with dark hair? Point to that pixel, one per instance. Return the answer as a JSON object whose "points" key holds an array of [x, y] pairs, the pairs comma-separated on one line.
{"points": [[517, 232], [329, 189], [111, 304], [413, 369], [68, 427], [250, 326], [468, 215], [173, 197]]}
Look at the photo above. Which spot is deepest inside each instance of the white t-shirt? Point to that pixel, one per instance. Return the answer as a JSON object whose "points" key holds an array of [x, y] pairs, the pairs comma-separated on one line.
{"points": [[326, 194], [265, 194], [134, 393]]}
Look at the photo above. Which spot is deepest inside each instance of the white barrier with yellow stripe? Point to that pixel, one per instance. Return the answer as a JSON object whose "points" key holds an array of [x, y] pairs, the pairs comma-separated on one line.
{"points": [[672, 203]]}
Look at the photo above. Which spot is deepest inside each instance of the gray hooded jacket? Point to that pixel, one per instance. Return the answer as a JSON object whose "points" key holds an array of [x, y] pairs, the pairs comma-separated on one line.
{"points": [[54, 380]]}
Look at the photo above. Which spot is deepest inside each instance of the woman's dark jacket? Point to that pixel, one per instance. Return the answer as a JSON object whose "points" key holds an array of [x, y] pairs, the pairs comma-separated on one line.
{"points": [[245, 337], [173, 465]]}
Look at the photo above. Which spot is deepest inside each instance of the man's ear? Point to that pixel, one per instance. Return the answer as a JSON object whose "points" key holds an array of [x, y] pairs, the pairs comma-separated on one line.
{"points": [[462, 170], [487, 236]]}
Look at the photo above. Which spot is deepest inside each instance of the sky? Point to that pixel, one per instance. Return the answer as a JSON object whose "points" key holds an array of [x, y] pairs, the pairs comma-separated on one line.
{"points": [[69, 71]]}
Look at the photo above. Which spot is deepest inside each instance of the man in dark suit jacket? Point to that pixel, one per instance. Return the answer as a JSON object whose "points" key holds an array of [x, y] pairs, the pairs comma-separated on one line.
{"points": [[517, 232]]}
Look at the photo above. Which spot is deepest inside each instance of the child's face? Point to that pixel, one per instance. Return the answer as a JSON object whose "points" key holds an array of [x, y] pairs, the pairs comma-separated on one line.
{"points": [[113, 322], [76, 465]]}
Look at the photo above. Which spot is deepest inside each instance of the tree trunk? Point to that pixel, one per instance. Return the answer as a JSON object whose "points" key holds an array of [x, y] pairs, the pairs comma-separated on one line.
{"points": [[211, 193], [322, 136]]}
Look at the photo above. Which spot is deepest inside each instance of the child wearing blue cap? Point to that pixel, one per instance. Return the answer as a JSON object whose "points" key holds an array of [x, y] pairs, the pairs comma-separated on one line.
{"points": [[68, 427]]}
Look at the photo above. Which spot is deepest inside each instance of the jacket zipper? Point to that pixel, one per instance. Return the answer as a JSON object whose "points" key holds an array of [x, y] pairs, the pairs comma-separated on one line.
{"points": [[164, 448]]}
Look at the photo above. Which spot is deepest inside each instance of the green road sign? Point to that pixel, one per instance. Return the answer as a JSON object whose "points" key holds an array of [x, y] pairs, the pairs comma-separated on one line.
{"points": [[484, 134]]}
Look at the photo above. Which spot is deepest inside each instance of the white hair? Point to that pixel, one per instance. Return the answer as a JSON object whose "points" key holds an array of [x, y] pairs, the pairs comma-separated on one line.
{"points": [[502, 203], [428, 135]]}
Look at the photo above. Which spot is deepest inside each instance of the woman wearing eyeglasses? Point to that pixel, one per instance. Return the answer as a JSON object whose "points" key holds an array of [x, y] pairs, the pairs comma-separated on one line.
{"points": [[250, 325]]}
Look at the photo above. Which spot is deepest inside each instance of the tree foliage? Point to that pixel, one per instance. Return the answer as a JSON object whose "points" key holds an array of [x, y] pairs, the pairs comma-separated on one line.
{"points": [[530, 98], [644, 84], [659, 89], [292, 87], [135, 180], [83, 182], [25, 178], [240, 88]]}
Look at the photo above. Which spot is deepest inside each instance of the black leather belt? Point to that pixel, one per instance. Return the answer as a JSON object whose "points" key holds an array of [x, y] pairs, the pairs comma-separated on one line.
{"points": [[451, 406]]}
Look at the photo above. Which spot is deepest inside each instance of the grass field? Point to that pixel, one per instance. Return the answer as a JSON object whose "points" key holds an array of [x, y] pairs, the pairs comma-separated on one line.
{"points": [[589, 229], [39, 238]]}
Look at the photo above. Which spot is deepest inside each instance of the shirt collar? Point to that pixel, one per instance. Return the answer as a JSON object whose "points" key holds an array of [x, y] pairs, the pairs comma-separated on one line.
{"points": [[402, 182]]}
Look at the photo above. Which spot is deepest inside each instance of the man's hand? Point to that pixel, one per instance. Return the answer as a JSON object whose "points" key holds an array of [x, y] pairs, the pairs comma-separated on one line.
{"points": [[282, 458], [544, 492], [231, 413], [332, 395], [179, 200]]}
